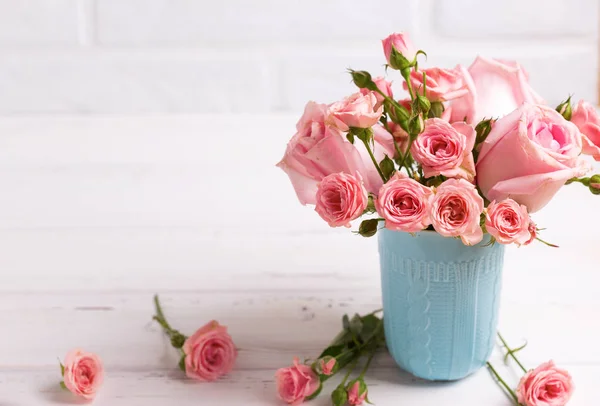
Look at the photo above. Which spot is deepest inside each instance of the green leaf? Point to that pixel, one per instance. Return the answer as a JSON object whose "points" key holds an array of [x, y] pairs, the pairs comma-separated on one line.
{"points": [[345, 322], [350, 137], [62, 385], [333, 350], [370, 325], [182, 363], [62, 368], [356, 325], [387, 167]]}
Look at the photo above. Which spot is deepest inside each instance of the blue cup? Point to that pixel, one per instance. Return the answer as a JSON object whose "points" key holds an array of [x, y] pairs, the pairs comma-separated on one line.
{"points": [[440, 302]]}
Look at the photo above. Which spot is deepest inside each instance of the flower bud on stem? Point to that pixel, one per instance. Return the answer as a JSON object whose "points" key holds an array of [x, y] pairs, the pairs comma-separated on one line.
{"points": [[177, 339]]}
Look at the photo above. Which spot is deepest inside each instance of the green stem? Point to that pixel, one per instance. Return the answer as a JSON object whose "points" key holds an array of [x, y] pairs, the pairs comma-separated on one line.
{"points": [[366, 367], [350, 369], [409, 85], [162, 320], [504, 384], [511, 353], [374, 161]]}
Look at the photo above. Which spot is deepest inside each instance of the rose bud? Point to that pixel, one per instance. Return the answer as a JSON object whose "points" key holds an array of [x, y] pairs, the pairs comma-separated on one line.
{"points": [[508, 222], [339, 397], [565, 110], [341, 198], [296, 383], [532, 228], [83, 373], [594, 184], [209, 353], [456, 211], [404, 48], [326, 365], [546, 385], [357, 392]]}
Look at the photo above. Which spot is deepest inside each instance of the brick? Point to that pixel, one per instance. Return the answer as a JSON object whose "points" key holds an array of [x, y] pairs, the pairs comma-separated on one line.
{"points": [[518, 19], [125, 82], [166, 22], [38, 22]]}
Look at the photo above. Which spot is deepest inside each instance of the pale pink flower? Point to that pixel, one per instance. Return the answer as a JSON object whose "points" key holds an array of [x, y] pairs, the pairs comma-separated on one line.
{"points": [[83, 373], [442, 84], [296, 382], [532, 228], [355, 395], [384, 86], [209, 352], [546, 385], [495, 89], [318, 150], [404, 204], [528, 156], [402, 43], [341, 198], [456, 211], [508, 222], [445, 149], [586, 118], [357, 110]]}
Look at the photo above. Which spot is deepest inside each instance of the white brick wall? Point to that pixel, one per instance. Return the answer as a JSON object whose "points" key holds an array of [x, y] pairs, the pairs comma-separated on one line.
{"points": [[131, 56]]}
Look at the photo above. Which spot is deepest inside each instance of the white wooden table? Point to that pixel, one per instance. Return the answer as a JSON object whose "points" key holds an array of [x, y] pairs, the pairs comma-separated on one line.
{"points": [[98, 214]]}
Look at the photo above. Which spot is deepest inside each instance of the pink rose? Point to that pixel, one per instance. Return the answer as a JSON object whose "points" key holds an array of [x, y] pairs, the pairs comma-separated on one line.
{"points": [[318, 150], [209, 352], [586, 118], [546, 385], [442, 84], [528, 156], [508, 222], [297, 382], [445, 149], [495, 89], [456, 211], [532, 228], [384, 86], [326, 365], [83, 373], [357, 110], [402, 43], [404, 204], [356, 393], [402, 138], [341, 198]]}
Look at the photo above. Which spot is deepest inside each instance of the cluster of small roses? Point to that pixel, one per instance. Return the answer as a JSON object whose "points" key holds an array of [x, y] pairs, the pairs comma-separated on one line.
{"points": [[362, 336], [546, 385], [205, 356], [433, 160]]}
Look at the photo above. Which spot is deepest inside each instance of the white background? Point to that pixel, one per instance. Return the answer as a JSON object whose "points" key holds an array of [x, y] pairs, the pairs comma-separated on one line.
{"points": [[259, 56], [107, 196]]}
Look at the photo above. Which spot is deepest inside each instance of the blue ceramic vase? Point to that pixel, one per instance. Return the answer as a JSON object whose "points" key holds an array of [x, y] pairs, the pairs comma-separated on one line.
{"points": [[440, 302]]}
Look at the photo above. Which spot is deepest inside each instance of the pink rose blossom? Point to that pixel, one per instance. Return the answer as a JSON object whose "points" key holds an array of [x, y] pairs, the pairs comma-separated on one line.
{"points": [[546, 385], [297, 382], [404, 204], [528, 156], [456, 211], [83, 373], [327, 364], [586, 118], [402, 43], [355, 396], [401, 136], [445, 149], [318, 150], [341, 198], [209, 352], [495, 89], [508, 222], [384, 86], [532, 228], [357, 110], [442, 84]]}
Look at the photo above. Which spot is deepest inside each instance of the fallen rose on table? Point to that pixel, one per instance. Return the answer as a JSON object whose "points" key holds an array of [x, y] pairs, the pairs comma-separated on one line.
{"points": [[361, 337]]}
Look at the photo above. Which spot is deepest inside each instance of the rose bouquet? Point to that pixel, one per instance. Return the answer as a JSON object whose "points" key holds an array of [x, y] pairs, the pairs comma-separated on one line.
{"points": [[468, 153]]}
